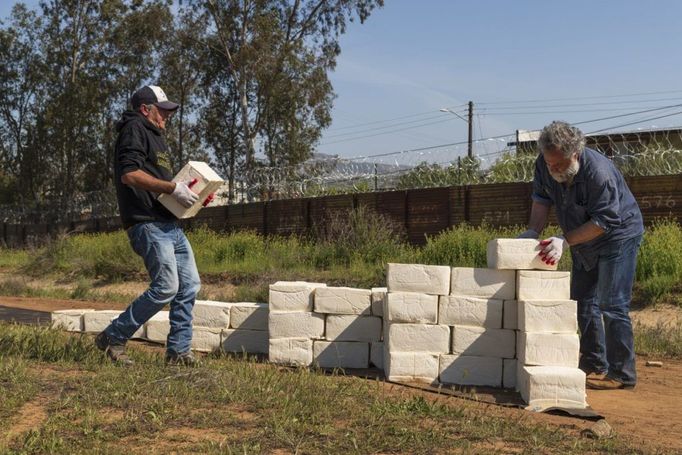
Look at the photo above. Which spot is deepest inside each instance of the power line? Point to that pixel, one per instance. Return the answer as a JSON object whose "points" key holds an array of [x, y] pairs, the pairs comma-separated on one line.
{"points": [[352, 133], [360, 125], [579, 98], [386, 132], [639, 121]]}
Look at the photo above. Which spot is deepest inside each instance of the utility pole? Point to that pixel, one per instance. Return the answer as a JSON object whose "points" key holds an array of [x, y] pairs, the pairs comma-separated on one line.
{"points": [[471, 129]]}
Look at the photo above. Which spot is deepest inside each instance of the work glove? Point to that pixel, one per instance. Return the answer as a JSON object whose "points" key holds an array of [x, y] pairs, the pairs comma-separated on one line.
{"points": [[184, 195], [528, 234], [552, 249]]}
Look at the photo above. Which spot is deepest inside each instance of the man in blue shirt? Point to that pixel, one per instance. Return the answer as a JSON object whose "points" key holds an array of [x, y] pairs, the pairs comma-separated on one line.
{"points": [[603, 226]]}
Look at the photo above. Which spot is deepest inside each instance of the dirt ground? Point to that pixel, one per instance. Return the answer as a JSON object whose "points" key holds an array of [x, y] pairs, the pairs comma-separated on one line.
{"points": [[648, 416]]}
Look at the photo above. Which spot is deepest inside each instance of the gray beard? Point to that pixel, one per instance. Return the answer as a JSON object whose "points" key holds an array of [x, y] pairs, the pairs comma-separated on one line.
{"points": [[568, 175]]}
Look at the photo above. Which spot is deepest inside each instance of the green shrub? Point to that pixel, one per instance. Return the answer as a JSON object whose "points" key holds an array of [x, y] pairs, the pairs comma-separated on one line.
{"points": [[659, 264]]}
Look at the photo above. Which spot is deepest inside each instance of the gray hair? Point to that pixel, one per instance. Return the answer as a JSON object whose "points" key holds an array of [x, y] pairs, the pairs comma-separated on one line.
{"points": [[562, 136]]}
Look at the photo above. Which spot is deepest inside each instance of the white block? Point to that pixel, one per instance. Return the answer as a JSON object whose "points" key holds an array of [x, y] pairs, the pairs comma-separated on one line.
{"points": [[291, 351], [509, 372], [376, 354], [418, 338], [473, 311], [516, 254], [378, 299], [340, 354], [245, 341], [553, 316], [69, 320], [471, 370], [411, 366], [341, 300], [97, 321], [295, 325], [205, 339], [158, 327], [345, 327], [485, 283], [293, 295], [208, 313], [535, 285], [510, 315], [427, 279], [548, 349], [411, 307], [250, 316], [545, 387], [478, 341], [207, 182]]}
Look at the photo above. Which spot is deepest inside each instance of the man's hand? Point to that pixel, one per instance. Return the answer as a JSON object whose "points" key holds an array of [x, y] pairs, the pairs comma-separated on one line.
{"points": [[184, 195], [528, 234], [552, 249]]}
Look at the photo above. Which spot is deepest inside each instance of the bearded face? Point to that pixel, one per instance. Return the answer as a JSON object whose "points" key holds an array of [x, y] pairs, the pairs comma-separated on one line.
{"points": [[562, 169]]}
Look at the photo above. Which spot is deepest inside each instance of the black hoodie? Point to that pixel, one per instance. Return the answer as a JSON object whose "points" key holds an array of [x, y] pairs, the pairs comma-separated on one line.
{"points": [[140, 145]]}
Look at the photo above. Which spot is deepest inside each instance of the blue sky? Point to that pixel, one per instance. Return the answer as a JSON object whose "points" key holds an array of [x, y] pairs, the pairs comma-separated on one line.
{"points": [[522, 63]]}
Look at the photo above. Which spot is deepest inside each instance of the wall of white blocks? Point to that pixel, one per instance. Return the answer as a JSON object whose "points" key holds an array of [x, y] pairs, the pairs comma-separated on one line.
{"points": [[506, 326]]}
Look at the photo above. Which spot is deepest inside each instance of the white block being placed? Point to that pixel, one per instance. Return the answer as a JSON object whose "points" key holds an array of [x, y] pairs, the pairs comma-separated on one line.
{"points": [[478, 341], [295, 325], [484, 283], [346, 327], [205, 339], [553, 316], [376, 354], [341, 300], [158, 327], [472, 311], [427, 279], [549, 349], [69, 320], [291, 351], [245, 341], [208, 313], [535, 285], [418, 338], [411, 307], [340, 354], [509, 373], [250, 316], [510, 315], [206, 181], [516, 254], [293, 295], [471, 370], [378, 301], [411, 366], [96, 321], [545, 387]]}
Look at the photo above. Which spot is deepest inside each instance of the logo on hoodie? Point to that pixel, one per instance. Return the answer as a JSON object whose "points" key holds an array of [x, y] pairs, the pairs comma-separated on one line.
{"points": [[163, 160]]}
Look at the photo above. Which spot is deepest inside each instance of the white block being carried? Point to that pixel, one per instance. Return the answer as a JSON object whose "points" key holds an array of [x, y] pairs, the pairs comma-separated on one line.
{"points": [[510, 314], [69, 320], [516, 254], [472, 311], [411, 366], [418, 338], [509, 373], [378, 301], [295, 325], [411, 307], [249, 316], [291, 351], [342, 300], [549, 349], [97, 321], [245, 341], [484, 283], [471, 370], [293, 295], [537, 285], [376, 354], [478, 341], [206, 181], [545, 387], [340, 354], [427, 279], [209, 313], [158, 327], [205, 339], [346, 327], [553, 316]]}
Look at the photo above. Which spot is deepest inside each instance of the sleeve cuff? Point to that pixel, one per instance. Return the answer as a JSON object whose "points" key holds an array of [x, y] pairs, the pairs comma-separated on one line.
{"points": [[601, 224], [541, 200]]}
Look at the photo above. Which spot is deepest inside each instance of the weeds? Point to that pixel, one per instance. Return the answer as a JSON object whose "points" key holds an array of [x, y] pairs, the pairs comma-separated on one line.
{"points": [[662, 340]]}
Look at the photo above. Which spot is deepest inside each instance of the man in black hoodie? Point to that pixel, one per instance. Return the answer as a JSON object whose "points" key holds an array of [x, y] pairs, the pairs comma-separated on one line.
{"points": [[142, 172]]}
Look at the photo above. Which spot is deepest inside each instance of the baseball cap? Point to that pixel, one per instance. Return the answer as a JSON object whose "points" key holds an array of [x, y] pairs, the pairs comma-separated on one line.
{"points": [[152, 94]]}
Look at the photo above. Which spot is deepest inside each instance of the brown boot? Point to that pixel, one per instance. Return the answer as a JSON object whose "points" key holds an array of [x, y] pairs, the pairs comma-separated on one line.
{"points": [[607, 384]]}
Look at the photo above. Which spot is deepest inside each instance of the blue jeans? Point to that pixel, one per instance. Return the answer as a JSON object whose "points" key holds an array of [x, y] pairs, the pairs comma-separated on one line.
{"points": [[169, 260], [607, 342]]}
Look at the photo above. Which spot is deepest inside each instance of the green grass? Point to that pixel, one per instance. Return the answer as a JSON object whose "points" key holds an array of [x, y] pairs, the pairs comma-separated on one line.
{"points": [[663, 340], [237, 405]]}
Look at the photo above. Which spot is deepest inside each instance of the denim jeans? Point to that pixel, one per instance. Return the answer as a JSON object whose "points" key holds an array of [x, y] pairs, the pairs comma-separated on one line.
{"points": [[603, 294], [169, 260]]}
